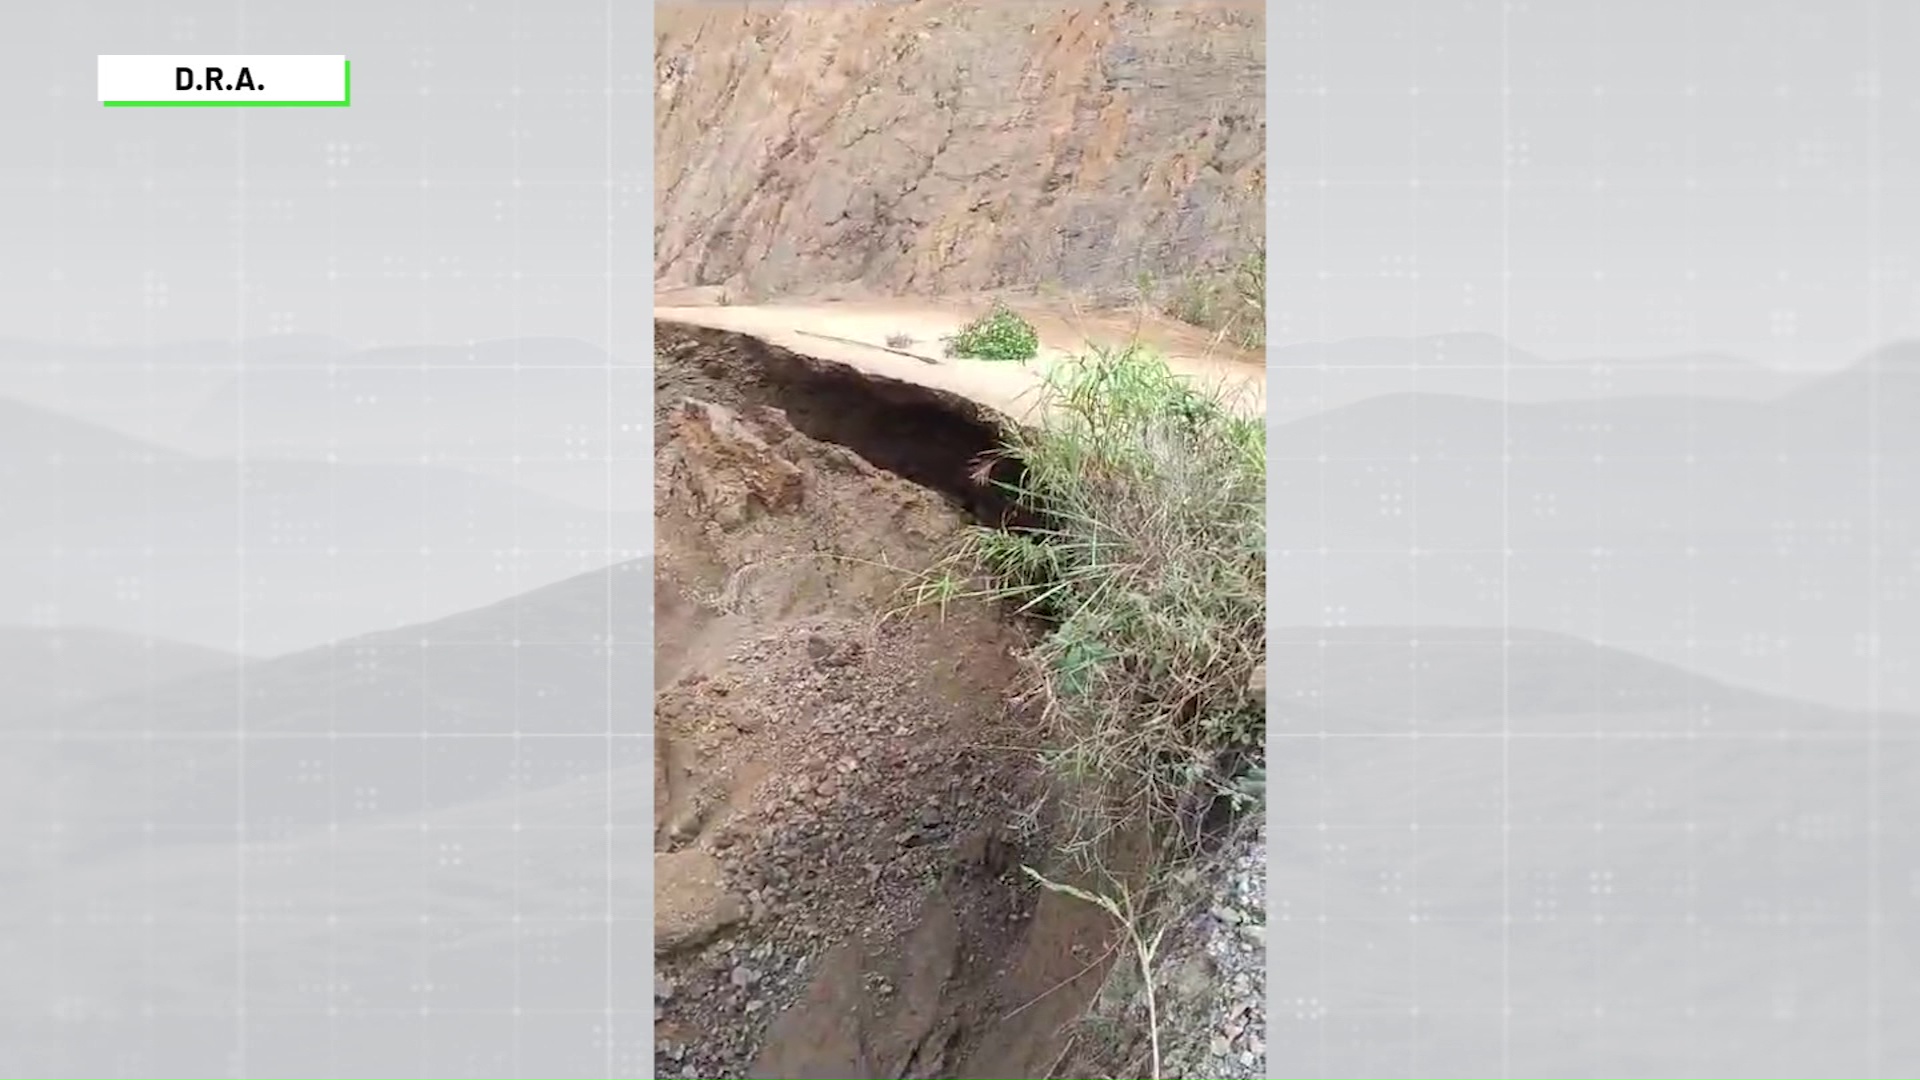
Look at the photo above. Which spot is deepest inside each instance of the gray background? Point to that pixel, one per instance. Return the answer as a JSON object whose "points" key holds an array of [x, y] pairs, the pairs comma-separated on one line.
{"points": [[324, 605], [1580, 768], [1594, 539]]}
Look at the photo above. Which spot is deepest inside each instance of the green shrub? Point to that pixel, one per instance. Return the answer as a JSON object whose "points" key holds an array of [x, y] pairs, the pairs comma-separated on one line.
{"points": [[1000, 334], [1150, 568]]}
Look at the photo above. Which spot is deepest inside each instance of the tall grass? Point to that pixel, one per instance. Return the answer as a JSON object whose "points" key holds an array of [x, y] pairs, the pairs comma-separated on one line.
{"points": [[1230, 301], [1250, 281], [1149, 567]]}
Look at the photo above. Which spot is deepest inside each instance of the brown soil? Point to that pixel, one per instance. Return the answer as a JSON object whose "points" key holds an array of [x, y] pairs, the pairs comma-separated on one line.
{"points": [[843, 802], [944, 147]]}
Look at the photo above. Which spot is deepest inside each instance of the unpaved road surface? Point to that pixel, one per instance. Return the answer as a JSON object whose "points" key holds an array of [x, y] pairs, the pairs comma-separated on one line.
{"points": [[857, 333]]}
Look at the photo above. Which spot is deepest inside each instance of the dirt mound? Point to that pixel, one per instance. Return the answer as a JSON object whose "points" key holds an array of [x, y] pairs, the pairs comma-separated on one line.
{"points": [[942, 147], [837, 870]]}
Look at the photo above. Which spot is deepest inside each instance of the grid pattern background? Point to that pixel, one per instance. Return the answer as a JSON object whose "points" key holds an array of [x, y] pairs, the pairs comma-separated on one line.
{"points": [[328, 463], [324, 585], [1592, 595]]}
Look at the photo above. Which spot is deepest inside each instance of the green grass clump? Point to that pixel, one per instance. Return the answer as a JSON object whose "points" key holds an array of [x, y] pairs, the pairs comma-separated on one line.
{"points": [[1000, 334], [1149, 565]]}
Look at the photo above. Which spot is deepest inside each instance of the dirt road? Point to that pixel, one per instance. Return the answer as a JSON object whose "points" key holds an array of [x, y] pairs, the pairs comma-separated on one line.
{"points": [[856, 333]]}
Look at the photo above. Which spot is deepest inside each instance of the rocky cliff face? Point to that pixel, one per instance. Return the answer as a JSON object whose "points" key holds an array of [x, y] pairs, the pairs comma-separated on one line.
{"points": [[942, 146]]}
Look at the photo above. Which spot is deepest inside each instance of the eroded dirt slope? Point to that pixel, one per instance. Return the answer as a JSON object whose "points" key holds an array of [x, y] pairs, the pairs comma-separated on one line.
{"points": [[941, 147], [840, 796]]}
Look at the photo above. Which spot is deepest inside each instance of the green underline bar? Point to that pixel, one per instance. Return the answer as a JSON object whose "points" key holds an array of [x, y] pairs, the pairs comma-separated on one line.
{"points": [[243, 104]]}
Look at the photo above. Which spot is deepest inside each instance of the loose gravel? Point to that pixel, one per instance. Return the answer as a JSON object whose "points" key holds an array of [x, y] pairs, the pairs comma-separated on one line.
{"points": [[1214, 975]]}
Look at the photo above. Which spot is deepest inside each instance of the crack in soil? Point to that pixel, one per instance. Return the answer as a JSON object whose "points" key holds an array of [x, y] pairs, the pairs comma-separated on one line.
{"points": [[844, 800]]}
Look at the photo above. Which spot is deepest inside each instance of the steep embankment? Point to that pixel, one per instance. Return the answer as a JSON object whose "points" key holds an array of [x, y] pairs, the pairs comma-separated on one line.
{"points": [[940, 147], [836, 882]]}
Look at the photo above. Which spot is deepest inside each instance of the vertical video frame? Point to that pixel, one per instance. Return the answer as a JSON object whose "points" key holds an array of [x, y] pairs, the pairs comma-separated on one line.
{"points": [[960, 528]]}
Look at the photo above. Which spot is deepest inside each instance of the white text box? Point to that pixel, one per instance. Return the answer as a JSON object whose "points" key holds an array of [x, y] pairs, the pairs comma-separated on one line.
{"points": [[250, 80]]}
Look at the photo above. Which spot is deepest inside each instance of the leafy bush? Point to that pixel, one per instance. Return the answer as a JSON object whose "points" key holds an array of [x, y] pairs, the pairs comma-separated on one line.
{"points": [[1000, 334]]}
